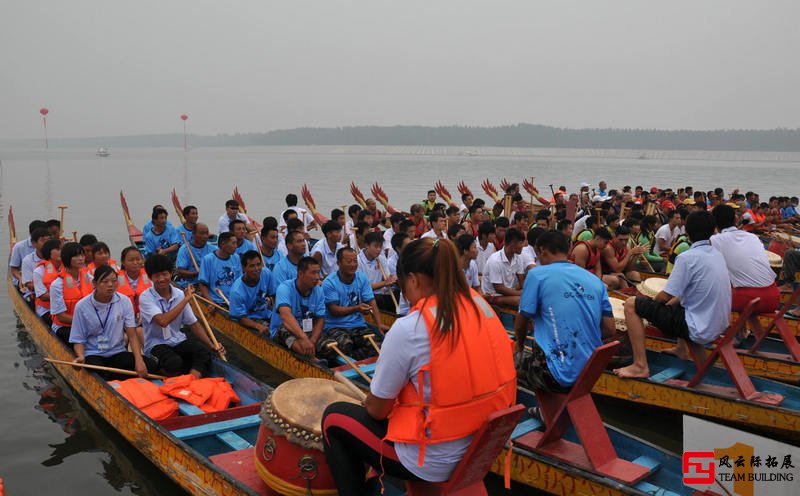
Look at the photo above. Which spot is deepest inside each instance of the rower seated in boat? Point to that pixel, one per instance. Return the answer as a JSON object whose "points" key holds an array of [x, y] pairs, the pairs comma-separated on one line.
{"points": [[570, 310], [239, 229], [187, 271], [616, 258], [161, 238], [20, 250], [443, 370], [326, 249], [748, 266], [39, 237], [399, 241], [503, 272], [87, 241], [372, 264], [348, 297], [299, 315], [219, 269], [269, 246], [72, 284], [133, 280], [231, 213], [99, 325], [468, 252], [250, 295], [45, 272], [165, 310], [286, 268], [101, 255], [588, 255], [695, 304], [190, 216]]}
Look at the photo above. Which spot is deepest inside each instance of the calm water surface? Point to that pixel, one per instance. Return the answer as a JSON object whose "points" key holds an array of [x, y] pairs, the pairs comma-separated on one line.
{"points": [[49, 439]]}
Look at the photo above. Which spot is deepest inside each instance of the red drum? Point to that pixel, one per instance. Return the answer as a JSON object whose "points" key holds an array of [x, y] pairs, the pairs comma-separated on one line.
{"points": [[777, 247], [288, 451]]}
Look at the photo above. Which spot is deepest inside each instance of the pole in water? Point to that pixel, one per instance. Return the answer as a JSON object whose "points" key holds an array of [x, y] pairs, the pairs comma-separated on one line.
{"points": [[44, 111], [184, 117]]}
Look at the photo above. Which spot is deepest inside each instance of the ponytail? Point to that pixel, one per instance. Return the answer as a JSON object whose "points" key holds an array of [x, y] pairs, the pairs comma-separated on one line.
{"points": [[439, 260]]}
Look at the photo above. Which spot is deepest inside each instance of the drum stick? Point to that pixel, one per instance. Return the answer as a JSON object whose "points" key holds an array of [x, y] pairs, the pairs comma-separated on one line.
{"points": [[210, 302], [383, 274], [222, 295], [371, 339], [359, 394], [208, 327], [191, 255], [351, 363], [61, 225], [101, 367]]}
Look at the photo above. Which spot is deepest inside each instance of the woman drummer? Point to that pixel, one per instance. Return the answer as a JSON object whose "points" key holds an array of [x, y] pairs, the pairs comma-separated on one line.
{"points": [[451, 346]]}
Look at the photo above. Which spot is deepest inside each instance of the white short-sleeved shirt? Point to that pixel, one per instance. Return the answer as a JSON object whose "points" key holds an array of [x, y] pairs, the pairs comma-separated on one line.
{"points": [[302, 214], [405, 349], [21, 250], [432, 234], [483, 255], [28, 264], [748, 265], [579, 225], [371, 269], [528, 257], [667, 234], [500, 270], [39, 289], [151, 304], [387, 242], [471, 273], [329, 263], [100, 327], [224, 222]]}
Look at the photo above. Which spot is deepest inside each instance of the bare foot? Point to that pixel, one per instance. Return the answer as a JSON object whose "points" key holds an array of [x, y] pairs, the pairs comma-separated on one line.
{"points": [[678, 351], [633, 371]]}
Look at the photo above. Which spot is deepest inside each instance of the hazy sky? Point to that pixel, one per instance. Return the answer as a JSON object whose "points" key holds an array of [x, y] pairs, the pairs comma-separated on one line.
{"points": [[106, 67]]}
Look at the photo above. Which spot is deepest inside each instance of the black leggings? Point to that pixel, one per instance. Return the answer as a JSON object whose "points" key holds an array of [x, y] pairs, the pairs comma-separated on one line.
{"points": [[187, 355], [124, 360], [351, 438]]}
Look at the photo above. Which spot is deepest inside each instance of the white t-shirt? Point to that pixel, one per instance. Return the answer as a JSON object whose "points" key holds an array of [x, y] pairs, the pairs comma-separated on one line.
{"points": [[667, 234], [302, 214], [329, 264], [432, 234], [471, 273], [224, 221], [483, 255], [501, 270], [528, 257], [406, 348], [748, 265], [387, 241]]}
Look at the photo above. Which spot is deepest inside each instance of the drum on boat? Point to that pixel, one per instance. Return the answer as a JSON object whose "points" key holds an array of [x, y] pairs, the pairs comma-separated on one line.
{"points": [[775, 260], [652, 286], [288, 451], [618, 307]]}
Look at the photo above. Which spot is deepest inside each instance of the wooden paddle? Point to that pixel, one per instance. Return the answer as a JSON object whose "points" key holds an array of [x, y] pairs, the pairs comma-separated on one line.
{"points": [[335, 347], [210, 332], [106, 369], [391, 293], [211, 302], [191, 255], [61, 228], [371, 339], [359, 394], [222, 295]]}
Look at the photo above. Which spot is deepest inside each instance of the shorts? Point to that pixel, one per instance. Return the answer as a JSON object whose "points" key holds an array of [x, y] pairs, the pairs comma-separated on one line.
{"points": [[670, 319], [286, 337], [533, 373], [351, 342]]}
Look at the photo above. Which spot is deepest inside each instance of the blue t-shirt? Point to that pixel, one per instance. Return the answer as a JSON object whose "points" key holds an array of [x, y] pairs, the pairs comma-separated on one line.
{"points": [[346, 295], [246, 246], [251, 301], [284, 270], [184, 261], [272, 261], [189, 234], [566, 303], [147, 227], [218, 273], [303, 307], [100, 327], [154, 242]]}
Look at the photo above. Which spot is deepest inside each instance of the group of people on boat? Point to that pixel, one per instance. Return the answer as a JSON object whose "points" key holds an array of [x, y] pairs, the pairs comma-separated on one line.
{"points": [[447, 362]]}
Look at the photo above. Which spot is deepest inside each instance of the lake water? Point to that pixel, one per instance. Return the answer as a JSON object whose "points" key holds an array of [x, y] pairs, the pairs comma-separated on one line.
{"points": [[49, 439]]}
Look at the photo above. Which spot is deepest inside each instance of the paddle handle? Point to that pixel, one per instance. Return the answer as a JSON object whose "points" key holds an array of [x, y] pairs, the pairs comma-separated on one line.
{"points": [[352, 364], [359, 394], [210, 302], [101, 367], [391, 293], [210, 332], [222, 295], [371, 339], [189, 249], [61, 222]]}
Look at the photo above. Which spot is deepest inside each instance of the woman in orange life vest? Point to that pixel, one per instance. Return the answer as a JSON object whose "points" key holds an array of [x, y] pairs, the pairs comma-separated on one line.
{"points": [[101, 255], [72, 284], [449, 362], [133, 281], [44, 274]]}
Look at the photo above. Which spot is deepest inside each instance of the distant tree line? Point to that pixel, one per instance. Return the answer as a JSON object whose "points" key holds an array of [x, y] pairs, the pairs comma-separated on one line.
{"points": [[519, 135]]}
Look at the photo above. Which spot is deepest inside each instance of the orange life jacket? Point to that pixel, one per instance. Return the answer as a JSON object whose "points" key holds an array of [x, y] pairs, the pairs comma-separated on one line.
{"points": [[594, 255], [73, 292], [50, 274], [210, 394], [91, 267], [125, 288], [146, 397], [469, 380]]}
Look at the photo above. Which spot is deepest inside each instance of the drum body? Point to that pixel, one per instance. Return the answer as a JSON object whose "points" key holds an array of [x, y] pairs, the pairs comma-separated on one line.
{"points": [[777, 247], [618, 308], [288, 451]]}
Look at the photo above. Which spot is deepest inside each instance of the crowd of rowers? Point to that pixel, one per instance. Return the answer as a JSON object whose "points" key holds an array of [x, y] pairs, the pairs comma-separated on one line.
{"points": [[274, 281]]}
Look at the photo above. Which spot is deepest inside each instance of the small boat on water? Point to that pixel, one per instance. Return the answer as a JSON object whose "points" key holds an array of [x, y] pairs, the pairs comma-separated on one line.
{"points": [[103, 152]]}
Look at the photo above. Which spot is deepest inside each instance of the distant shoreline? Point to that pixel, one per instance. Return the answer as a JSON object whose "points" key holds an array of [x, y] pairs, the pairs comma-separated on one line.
{"points": [[518, 136]]}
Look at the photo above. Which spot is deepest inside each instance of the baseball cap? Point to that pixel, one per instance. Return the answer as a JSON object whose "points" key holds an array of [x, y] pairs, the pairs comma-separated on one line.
{"points": [[654, 190], [584, 185], [689, 201]]}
